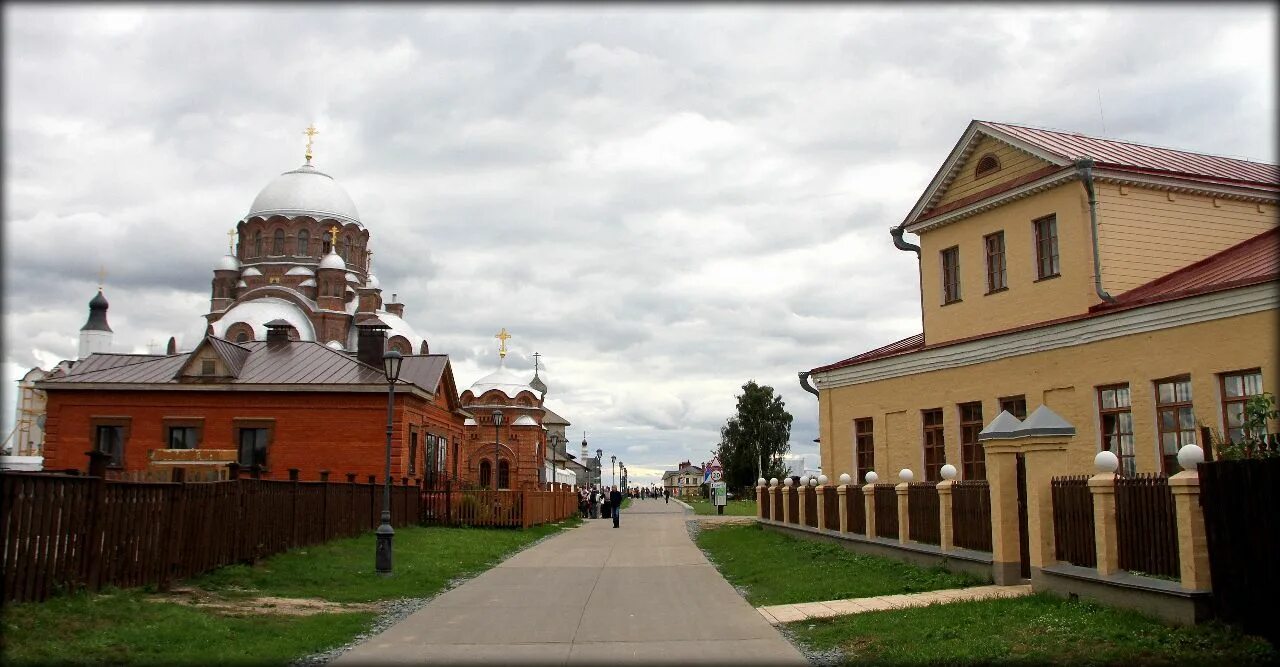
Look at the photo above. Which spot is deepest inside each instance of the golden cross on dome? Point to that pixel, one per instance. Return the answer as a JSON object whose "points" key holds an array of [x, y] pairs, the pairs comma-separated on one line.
{"points": [[311, 132], [504, 337], [333, 238], [102, 275], [231, 241]]}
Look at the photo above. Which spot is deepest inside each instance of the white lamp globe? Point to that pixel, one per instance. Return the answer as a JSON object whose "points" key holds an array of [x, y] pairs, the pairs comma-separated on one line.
{"points": [[760, 482], [844, 478], [906, 475], [872, 477], [822, 480], [1190, 456], [1106, 462], [804, 480], [948, 471], [773, 482], [787, 481]]}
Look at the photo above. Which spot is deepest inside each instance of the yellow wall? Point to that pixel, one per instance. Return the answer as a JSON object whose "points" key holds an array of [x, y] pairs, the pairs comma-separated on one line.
{"points": [[1144, 234], [1065, 380], [1026, 301], [1013, 164]]}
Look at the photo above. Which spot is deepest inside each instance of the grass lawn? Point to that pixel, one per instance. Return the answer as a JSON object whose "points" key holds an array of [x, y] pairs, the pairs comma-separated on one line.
{"points": [[1040, 629], [122, 626], [734, 507], [779, 569]]}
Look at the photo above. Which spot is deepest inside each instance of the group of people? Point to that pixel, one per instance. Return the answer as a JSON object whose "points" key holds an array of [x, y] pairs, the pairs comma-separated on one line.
{"points": [[599, 502], [649, 492]]}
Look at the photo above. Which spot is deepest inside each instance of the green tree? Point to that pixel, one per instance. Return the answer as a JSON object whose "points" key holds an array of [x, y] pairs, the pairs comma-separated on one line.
{"points": [[754, 440]]}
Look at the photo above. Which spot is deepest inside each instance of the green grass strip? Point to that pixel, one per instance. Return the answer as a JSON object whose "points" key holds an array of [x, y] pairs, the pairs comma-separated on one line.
{"points": [[1040, 629], [780, 569]]}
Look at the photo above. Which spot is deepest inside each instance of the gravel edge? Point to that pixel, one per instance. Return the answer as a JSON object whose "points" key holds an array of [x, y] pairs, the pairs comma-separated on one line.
{"points": [[394, 611]]}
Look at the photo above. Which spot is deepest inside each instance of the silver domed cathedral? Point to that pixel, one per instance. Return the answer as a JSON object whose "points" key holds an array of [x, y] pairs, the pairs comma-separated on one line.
{"points": [[301, 255]]}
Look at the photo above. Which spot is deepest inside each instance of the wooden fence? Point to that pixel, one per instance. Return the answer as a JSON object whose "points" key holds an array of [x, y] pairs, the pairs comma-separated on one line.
{"points": [[1146, 525], [1073, 527], [830, 508], [923, 511], [856, 517], [810, 506], [886, 511], [65, 532], [793, 505], [971, 514], [457, 506], [765, 502], [1239, 499]]}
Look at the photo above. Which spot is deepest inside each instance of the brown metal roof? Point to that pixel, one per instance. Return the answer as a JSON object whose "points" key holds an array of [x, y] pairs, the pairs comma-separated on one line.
{"points": [[550, 417], [1253, 261], [101, 360], [1154, 160], [233, 354], [908, 344], [424, 370]]}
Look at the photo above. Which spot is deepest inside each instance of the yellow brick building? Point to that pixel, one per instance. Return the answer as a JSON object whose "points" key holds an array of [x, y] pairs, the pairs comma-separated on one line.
{"points": [[1132, 289]]}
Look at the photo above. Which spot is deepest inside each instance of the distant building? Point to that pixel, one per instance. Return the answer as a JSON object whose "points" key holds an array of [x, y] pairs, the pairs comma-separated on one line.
{"points": [[684, 481]]}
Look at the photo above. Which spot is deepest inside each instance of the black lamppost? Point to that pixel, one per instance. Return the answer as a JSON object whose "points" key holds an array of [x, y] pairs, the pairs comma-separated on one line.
{"points": [[599, 467], [613, 468], [497, 422], [553, 440], [391, 361]]}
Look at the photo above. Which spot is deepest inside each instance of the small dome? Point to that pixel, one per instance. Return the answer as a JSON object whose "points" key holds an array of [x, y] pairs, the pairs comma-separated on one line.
{"points": [[524, 420], [258, 312], [304, 191], [333, 345], [468, 422], [333, 261], [227, 263], [350, 290], [300, 271], [503, 380], [242, 284], [353, 278], [373, 283], [251, 271], [309, 282]]}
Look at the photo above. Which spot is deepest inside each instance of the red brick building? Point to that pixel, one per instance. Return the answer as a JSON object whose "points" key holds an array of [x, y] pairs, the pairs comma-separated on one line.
{"points": [[519, 441], [279, 404]]}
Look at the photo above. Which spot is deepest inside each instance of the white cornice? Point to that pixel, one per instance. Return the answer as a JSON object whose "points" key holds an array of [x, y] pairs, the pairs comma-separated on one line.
{"points": [[1155, 317], [404, 387], [1179, 185], [1039, 185]]}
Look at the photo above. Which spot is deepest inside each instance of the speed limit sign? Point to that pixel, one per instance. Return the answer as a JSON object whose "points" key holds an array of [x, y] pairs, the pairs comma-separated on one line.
{"points": [[716, 475]]}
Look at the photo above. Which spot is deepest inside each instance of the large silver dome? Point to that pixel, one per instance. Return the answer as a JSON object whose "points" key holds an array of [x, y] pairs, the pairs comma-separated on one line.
{"points": [[305, 191]]}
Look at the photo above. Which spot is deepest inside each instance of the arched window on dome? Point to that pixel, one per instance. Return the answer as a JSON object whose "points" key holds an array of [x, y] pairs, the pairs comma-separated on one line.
{"points": [[504, 474], [486, 472], [242, 337], [257, 243], [346, 248], [304, 243], [277, 242]]}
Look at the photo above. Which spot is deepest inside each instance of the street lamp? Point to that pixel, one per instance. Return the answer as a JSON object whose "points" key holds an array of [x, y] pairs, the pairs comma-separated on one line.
{"points": [[497, 422], [391, 361], [599, 466], [613, 468]]}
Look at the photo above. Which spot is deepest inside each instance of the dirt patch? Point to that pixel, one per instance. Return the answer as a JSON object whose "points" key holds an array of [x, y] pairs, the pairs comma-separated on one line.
{"points": [[240, 606]]}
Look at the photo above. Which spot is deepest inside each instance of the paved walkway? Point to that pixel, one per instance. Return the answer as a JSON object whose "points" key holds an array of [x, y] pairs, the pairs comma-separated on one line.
{"points": [[593, 595], [788, 613]]}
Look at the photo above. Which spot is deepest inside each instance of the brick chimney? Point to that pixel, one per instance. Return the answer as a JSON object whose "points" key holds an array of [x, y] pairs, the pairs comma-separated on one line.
{"points": [[278, 331], [372, 340], [394, 307]]}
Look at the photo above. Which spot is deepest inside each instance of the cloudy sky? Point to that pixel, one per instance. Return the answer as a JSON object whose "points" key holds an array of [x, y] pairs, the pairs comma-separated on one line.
{"points": [[664, 202]]}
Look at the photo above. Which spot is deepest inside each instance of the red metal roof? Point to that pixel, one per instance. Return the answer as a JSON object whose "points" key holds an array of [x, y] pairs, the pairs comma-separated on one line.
{"points": [[908, 344], [1153, 160], [1253, 261]]}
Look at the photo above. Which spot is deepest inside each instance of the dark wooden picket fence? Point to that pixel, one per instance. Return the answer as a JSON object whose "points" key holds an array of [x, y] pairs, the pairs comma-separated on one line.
{"points": [[1146, 525], [505, 508], [810, 497], [765, 502], [1073, 527], [886, 511], [922, 510], [971, 514], [63, 533], [1239, 499], [793, 504], [831, 508], [856, 507]]}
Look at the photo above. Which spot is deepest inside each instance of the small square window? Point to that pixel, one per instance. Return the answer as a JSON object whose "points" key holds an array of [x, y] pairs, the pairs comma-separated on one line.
{"points": [[208, 367]]}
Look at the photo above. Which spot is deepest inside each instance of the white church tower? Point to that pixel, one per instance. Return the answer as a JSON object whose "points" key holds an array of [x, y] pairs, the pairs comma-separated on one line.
{"points": [[95, 335]]}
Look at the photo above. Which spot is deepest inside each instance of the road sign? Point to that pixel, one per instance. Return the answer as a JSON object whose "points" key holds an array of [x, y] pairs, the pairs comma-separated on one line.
{"points": [[719, 494], [716, 475]]}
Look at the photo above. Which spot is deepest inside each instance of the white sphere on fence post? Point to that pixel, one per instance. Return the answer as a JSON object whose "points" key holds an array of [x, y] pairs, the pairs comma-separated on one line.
{"points": [[845, 478], [871, 477], [948, 471], [773, 482], [1190, 456], [1106, 462], [760, 482], [788, 481], [906, 475], [822, 480], [813, 481], [804, 480]]}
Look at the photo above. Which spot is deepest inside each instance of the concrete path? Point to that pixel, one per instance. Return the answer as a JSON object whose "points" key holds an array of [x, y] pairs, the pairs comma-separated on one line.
{"points": [[789, 613], [643, 593]]}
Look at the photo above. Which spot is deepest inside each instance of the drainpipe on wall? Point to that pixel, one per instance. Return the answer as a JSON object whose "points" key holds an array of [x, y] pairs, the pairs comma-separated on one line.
{"points": [[806, 384], [1085, 167], [896, 233]]}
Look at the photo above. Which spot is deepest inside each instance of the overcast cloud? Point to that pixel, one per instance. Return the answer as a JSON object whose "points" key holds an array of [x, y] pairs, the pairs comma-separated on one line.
{"points": [[664, 202]]}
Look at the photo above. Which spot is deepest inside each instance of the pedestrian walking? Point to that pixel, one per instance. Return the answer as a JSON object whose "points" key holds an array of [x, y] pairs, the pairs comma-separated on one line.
{"points": [[615, 500], [666, 495]]}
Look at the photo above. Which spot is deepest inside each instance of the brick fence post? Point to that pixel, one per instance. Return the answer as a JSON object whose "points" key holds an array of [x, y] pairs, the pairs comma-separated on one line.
{"points": [[762, 497], [1193, 544], [842, 500], [786, 503], [869, 506], [802, 503], [1105, 539], [904, 514], [821, 493], [946, 532]]}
